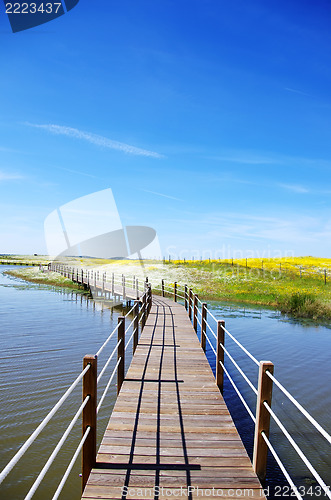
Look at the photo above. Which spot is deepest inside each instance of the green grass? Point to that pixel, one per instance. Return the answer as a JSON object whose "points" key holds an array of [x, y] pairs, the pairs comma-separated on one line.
{"points": [[305, 296], [34, 275]]}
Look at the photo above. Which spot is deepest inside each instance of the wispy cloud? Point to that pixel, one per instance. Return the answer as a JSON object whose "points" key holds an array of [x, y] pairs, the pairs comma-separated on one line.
{"points": [[95, 139], [161, 194], [76, 172], [4, 176], [295, 91], [295, 188]]}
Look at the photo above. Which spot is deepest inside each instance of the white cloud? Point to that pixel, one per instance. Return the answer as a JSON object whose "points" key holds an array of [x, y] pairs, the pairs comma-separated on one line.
{"points": [[161, 194], [4, 176], [295, 188], [98, 140]]}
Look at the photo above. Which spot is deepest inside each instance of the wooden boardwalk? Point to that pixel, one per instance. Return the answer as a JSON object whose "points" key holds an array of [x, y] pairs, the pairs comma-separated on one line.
{"points": [[170, 430]]}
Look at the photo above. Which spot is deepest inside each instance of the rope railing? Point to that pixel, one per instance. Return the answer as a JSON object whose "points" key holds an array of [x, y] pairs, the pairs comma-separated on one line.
{"points": [[56, 450], [41, 426], [311, 419], [108, 385], [303, 457], [71, 464], [140, 310], [281, 466], [92, 380], [191, 300], [239, 393], [114, 351], [107, 340]]}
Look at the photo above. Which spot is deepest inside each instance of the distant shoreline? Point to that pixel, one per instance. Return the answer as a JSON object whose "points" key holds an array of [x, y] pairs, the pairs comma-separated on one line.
{"points": [[293, 286]]}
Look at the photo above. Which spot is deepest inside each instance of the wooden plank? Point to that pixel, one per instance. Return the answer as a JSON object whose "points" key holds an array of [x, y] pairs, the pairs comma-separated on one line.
{"points": [[170, 427]]}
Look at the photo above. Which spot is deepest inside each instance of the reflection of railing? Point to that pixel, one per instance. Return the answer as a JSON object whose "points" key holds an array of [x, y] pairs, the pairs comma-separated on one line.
{"points": [[89, 407], [263, 392]]}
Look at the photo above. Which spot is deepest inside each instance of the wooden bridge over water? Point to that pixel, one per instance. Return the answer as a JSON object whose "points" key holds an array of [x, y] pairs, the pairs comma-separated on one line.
{"points": [[170, 434], [170, 428]]}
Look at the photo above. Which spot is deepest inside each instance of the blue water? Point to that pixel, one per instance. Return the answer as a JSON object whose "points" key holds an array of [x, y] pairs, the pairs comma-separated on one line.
{"points": [[45, 332]]}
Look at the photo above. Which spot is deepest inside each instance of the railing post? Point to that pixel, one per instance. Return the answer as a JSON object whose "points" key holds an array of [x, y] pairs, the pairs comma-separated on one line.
{"points": [[123, 283], [137, 288], [120, 351], [220, 355], [185, 295], [143, 318], [162, 288], [195, 312], [203, 325], [135, 325], [175, 291], [112, 284], [262, 424], [149, 298], [89, 417], [190, 304]]}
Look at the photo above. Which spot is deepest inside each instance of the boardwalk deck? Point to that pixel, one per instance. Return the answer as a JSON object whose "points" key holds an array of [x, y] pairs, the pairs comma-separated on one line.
{"points": [[170, 430]]}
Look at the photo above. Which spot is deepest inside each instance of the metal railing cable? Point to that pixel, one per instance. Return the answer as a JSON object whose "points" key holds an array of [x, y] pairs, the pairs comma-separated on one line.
{"points": [[299, 451], [41, 426], [108, 384], [281, 466], [311, 419], [56, 450], [71, 464]]}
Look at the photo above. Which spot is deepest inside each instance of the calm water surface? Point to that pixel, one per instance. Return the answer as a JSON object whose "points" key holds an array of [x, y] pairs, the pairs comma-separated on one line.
{"points": [[45, 333]]}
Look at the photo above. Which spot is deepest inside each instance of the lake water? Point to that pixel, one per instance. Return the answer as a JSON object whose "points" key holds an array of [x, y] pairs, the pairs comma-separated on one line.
{"points": [[45, 333]]}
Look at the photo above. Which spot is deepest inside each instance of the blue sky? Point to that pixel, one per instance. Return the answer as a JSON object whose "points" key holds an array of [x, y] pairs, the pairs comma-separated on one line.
{"points": [[209, 120]]}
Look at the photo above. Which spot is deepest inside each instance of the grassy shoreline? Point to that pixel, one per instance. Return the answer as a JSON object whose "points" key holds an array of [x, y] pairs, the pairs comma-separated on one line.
{"points": [[295, 289]]}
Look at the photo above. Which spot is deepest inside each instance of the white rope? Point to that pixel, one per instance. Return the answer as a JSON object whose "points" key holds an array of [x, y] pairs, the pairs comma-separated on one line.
{"points": [[301, 408], [106, 342], [71, 464], [196, 317], [56, 450], [128, 342], [239, 394], [212, 347], [41, 426], [109, 360], [299, 452], [242, 347], [108, 384], [210, 329], [281, 466], [128, 328], [240, 370], [132, 308]]}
